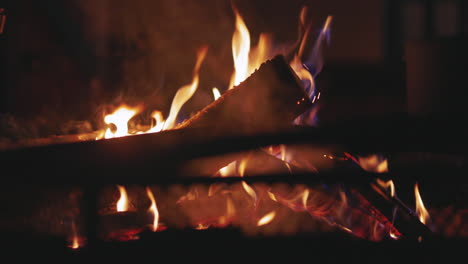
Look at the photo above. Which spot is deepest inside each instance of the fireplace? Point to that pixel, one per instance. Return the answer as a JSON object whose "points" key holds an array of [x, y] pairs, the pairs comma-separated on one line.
{"points": [[263, 171]]}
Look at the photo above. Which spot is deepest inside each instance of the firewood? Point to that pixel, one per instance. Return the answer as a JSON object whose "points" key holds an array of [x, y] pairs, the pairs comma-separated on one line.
{"points": [[269, 100]]}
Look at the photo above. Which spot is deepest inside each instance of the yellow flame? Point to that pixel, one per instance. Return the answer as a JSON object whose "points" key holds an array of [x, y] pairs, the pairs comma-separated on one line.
{"points": [[388, 185], [272, 196], [228, 170], [216, 93], [250, 191], [185, 92], [120, 119], [374, 163], [305, 196], [230, 212], [240, 51], [75, 241], [421, 211], [159, 122], [266, 219], [247, 60], [122, 203], [153, 208]]}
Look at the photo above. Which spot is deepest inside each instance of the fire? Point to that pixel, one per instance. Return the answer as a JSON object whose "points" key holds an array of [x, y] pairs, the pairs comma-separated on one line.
{"points": [[247, 60], [250, 191], [153, 208], [123, 114], [373, 163], [421, 211], [240, 51], [266, 219], [216, 93], [120, 119], [75, 243], [185, 92], [387, 185], [122, 203]]}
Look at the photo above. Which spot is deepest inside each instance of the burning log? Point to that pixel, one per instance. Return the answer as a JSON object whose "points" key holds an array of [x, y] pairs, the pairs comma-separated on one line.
{"points": [[269, 100]]}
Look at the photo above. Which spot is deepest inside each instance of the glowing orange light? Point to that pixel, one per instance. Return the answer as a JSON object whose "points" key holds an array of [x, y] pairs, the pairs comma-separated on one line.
{"points": [[153, 208], [75, 243], [228, 170], [250, 191], [216, 93], [266, 219], [122, 203], [388, 185], [373, 163], [185, 92], [120, 119], [240, 51], [421, 211]]}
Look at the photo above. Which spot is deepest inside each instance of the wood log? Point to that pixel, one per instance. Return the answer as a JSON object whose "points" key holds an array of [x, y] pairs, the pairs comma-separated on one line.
{"points": [[269, 100]]}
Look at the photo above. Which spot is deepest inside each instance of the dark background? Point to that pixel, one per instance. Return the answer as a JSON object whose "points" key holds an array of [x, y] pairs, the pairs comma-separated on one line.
{"points": [[66, 60]]}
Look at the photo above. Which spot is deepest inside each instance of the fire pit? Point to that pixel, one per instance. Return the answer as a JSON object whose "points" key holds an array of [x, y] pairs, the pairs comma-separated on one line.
{"points": [[252, 175]]}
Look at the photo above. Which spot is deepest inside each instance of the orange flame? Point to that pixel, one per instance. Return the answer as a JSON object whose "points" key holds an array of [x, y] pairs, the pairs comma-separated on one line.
{"points": [[216, 93], [153, 208], [185, 92], [266, 219], [120, 119], [250, 191], [421, 211], [373, 163], [247, 60], [122, 203], [388, 185], [240, 51], [75, 243]]}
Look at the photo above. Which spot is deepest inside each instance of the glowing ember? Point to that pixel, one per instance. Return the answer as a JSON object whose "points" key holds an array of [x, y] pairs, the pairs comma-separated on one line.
{"points": [[153, 208], [421, 211], [266, 219], [120, 119], [122, 203]]}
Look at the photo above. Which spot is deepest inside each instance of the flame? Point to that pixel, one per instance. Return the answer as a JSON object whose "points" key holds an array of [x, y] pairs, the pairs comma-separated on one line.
{"points": [[216, 93], [75, 243], [122, 203], [228, 170], [240, 51], [387, 185], [266, 219], [250, 191], [120, 119], [421, 211], [185, 92], [247, 60], [272, 196], [230, 212], [153, 208], [374, 163], [159, 122]]}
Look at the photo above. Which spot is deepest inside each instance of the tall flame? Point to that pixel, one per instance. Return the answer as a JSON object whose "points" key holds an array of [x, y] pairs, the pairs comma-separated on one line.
{"points": [[153, 208], [120, 119], [122, 203], [240, 51], [421, 211], [185, 92], [266, 219], [75, 243], [247, 59]]}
